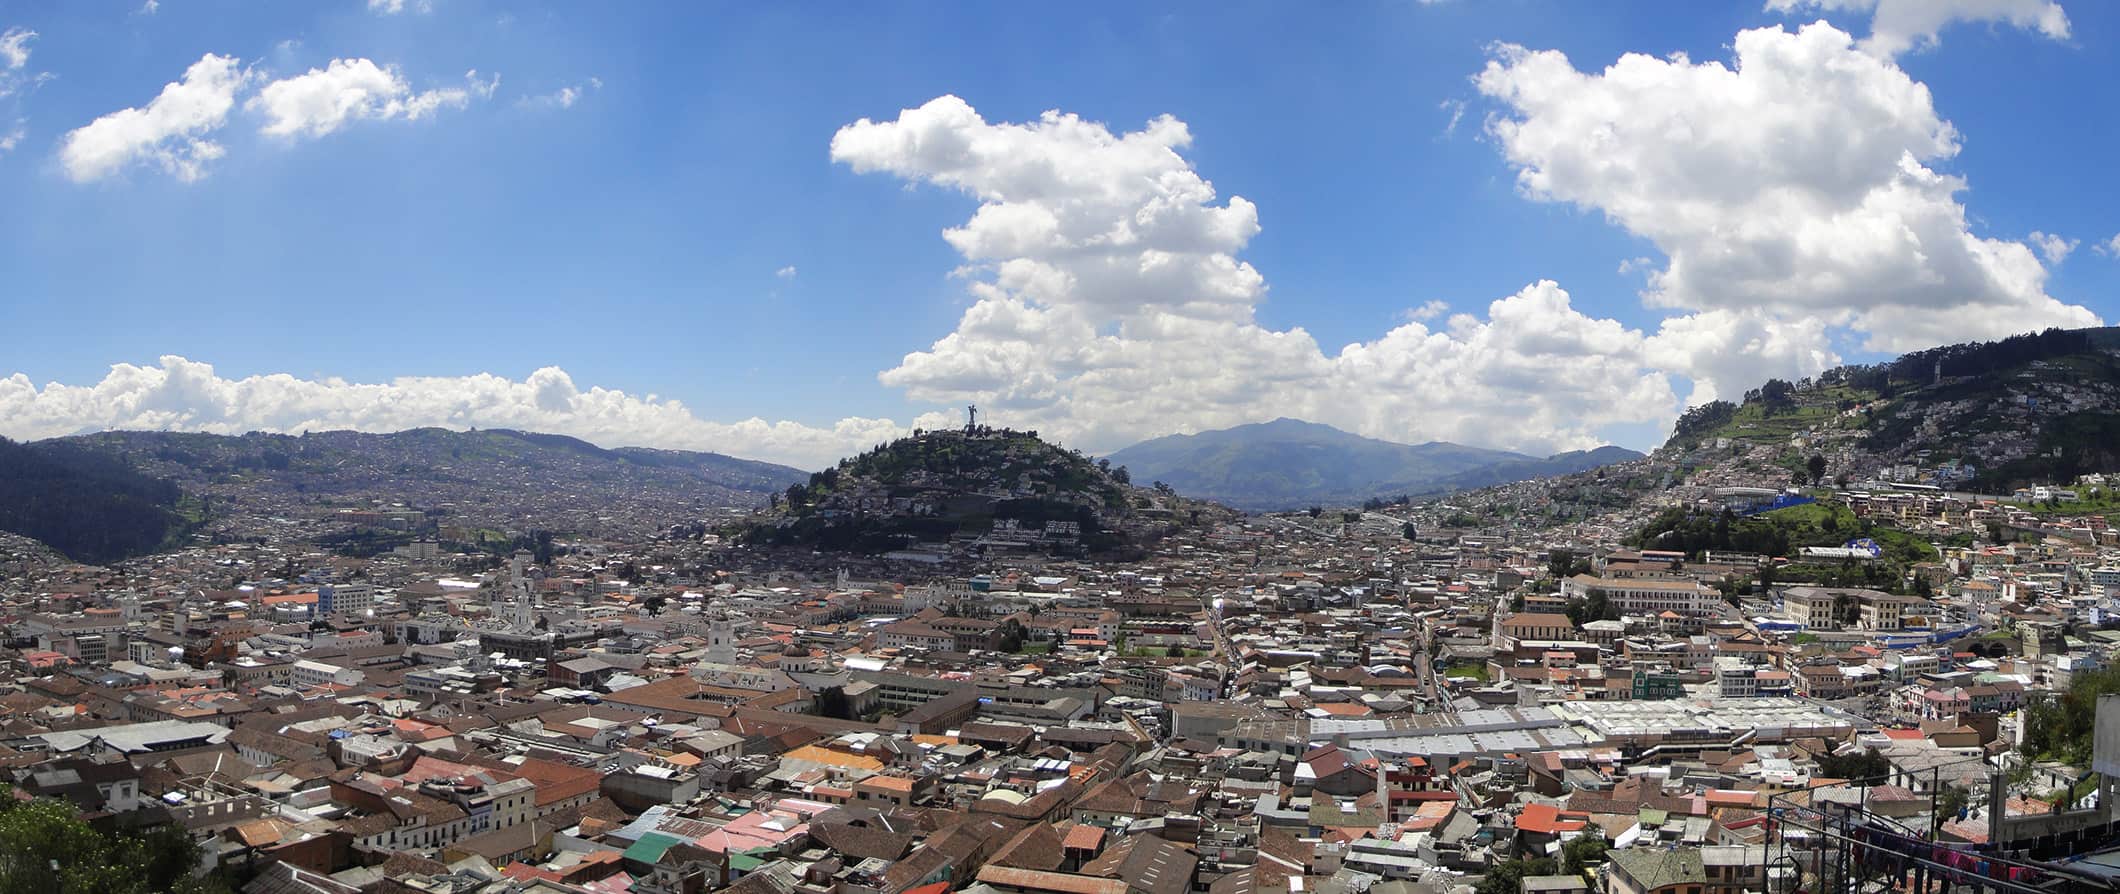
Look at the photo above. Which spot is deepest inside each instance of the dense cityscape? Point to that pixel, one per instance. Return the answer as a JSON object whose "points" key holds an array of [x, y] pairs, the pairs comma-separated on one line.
{"points": [[1396, 698], [1106, 447]]}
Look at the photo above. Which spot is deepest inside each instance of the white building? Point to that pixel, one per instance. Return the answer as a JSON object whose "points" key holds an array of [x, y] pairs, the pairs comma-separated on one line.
{"points": [[308, 674], [1645, 596], [351, 600]]}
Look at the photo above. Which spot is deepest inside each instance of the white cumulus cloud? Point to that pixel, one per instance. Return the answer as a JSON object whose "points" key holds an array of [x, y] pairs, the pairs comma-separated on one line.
{"points": [[1110, 305], [2054, 249], [787, 272], [1790, 192], [1428, 310], [170, 132], [1897, 26], [185, 395], [323, 100]]}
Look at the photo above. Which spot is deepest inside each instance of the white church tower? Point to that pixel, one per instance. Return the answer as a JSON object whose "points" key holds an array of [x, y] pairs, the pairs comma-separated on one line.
{"points": [[522, 608], [721, 641]]}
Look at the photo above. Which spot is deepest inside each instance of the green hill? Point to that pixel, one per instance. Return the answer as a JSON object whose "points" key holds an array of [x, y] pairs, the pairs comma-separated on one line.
{"points": [[1986, 417], [997, 484], [85, 505]]}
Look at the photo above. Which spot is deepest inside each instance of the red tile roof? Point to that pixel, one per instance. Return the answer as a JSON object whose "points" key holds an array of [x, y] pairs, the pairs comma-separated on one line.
{"points": [[1547, 819]]}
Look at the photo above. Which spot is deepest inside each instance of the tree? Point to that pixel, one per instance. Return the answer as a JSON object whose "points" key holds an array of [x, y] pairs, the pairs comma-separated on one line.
{"points": [[1012, 635], [832, 702], [1594, 606], [1560, 563], [654, 604], [1175, 651], [1704, 418], [1315, 511], [1411, 532], [1583, 852], [1953, 800], [1865, 766], [1816, 465], [1507, 877], [46, 847]]}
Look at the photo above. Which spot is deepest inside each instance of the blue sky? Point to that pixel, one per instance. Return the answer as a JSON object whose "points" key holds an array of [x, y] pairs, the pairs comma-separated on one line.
{"points": [[681, 228]]}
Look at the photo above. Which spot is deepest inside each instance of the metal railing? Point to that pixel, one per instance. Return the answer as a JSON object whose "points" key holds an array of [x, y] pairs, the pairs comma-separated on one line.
{"points": [[1848, 848]]}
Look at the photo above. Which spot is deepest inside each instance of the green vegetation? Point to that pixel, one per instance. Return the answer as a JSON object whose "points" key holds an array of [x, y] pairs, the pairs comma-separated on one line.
{"points": [[963, 484], [2059, 728], [2070, 444], [1583, 852], [1593, 607], [1171, 651], [89, 507], [2091, 501], [1784, 532], [46, 847], [1864, 767], [1507, 877], [1475, 670], [1773, 413]]}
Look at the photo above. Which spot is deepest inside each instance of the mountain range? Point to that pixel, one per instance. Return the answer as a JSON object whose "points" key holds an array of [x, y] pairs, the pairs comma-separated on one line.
{"points": [[476, 483], [1289, 464]]}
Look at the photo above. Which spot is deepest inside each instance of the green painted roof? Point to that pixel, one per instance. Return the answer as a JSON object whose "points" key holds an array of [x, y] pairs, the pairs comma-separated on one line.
{"points": [[651, 847]]}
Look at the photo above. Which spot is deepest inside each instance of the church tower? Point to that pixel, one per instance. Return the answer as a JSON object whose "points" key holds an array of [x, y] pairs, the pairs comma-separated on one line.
{"points": [[522, 608], [721, 641]]}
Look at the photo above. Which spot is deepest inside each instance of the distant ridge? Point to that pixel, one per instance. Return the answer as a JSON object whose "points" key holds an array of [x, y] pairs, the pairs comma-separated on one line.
{"points": [[84, 505], [1290, 464], [495, 479]]}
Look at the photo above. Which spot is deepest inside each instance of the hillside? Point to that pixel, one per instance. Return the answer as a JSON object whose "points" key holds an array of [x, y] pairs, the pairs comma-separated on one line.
{"points": [[987, 489], [1983, 418], [84, 505], [493, 480], [1288, 463]]}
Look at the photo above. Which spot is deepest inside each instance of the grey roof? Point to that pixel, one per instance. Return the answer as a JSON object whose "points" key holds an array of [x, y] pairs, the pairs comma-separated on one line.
{"points": [[133, 738]]}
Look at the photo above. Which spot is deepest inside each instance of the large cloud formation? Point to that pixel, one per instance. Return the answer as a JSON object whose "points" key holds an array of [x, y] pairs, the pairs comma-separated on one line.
{"points": [[1110, 306], [1795, 194], [1791, 193], [185, 395]]}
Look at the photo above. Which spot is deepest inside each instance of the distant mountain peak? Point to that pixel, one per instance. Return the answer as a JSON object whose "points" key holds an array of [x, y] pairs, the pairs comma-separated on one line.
{"points": [[1289, 463]]}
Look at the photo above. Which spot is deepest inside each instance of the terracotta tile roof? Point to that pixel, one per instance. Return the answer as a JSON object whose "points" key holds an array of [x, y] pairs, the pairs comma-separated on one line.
{"points": [[1547, 819]]}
